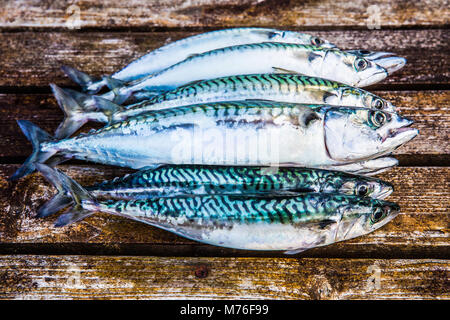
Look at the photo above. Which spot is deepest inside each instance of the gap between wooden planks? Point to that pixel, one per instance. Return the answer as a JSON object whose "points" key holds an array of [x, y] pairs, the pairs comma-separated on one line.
{"points": [[422, 226], [88, 277], [179, 13], [35, 59]]}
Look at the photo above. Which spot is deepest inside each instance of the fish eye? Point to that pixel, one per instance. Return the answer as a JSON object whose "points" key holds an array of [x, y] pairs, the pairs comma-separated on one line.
{"points": [[378, 118], [361, 64], [317, 41], [272, 35], [362, 190], [377, 215], [378, 104]]}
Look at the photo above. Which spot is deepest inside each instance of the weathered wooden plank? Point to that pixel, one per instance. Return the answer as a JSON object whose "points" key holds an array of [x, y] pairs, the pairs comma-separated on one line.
{"points": [[34, 59], [178, 13], [88, 277], [423, 194], [430, 110]]}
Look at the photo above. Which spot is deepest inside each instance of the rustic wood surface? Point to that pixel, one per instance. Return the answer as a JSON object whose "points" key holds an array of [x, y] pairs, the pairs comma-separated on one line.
{"points": [[87, 277], [220, 13], [114, 258]]}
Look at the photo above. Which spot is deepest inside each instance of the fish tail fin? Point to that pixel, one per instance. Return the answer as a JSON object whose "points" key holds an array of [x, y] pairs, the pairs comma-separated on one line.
{"points": [[37, 136], [70, 191], [74, 112], [78, 109], [85, 81]]}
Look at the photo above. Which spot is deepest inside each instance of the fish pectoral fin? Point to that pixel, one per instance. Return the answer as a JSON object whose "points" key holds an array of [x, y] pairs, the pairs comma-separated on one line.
{"points": [[314, 55], [298, 250], [282, 70], [307, 117]]}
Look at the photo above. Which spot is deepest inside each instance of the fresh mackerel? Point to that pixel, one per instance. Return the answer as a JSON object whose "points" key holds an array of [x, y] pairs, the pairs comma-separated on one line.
{"points": [[80, 108], [254, 222], [268, 57], [170, 181], [252, 133]]}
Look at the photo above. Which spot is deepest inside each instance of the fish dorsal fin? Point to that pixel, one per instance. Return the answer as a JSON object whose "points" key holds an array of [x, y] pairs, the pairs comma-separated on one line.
{"points": [[282, 70]]}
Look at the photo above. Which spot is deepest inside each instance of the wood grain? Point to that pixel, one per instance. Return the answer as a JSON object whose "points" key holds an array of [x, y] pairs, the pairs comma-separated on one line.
{"points": [[34, 59], [429, 109], [422, 193], [93, 277], [217, 13]]}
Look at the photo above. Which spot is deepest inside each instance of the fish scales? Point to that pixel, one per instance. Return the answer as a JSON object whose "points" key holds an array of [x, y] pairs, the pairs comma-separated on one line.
{"points": [[277, 223], [297, 89], [232, 133], [275, 87], [257, 222], [256, 58]]}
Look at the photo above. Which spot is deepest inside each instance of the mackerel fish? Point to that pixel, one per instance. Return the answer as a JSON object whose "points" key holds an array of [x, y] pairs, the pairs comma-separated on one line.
{"points": [[255, 133], [180, 50], [267, 57], [263, 222], [170, 181], [80, 108]]}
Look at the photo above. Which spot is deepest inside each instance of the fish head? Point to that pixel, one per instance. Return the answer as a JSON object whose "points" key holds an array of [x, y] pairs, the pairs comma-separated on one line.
{"points": [[389, 61], [300, 38], [363, 216], [366, 187], [351, 69], [355, 134], [350, 96]]}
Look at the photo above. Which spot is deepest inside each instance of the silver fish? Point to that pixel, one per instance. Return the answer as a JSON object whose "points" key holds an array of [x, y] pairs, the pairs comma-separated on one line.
{"points": [[263, 222], [170, 181], [268, 57], [180, 50], [80, 108], [231, 133]]}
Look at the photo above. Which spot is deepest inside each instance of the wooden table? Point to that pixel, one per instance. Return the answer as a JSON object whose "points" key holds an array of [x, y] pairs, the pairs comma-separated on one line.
{"points": [[109, 257]]}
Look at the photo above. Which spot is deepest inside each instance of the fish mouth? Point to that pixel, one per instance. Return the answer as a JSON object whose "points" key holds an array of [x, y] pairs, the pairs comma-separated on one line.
{"points": [[390, 62], [401, 135], [386, 192], [374, 78]]}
